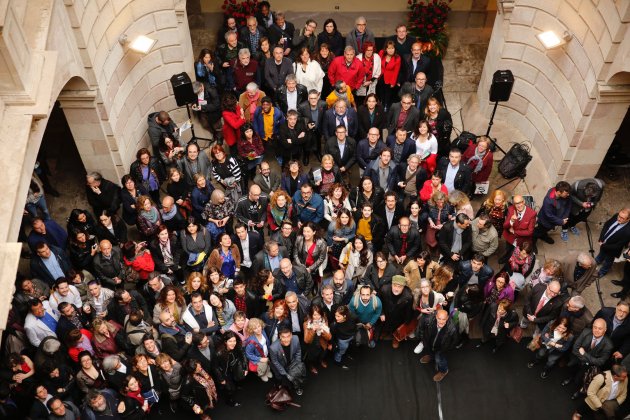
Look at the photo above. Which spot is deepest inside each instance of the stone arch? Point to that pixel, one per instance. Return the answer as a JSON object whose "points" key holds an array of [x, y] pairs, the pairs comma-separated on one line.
{"points": [[621, 78]]}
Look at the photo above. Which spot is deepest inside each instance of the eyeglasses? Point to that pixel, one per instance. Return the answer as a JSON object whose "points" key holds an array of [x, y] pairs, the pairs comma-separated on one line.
{"points": [[518, 202]]}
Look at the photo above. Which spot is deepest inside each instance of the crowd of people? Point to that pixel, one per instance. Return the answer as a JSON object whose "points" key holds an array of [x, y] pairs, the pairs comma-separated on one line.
{"points": [[205, 266]]}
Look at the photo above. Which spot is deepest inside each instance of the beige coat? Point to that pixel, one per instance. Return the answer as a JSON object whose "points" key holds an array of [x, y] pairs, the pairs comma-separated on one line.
{"points": [[599, 390], [412, 274]]}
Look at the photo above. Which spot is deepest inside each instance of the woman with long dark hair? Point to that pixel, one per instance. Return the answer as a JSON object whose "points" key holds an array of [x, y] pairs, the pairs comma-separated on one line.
{"points": [[440, 125], [355, 259], [138, 259], [148, 174], [196, 243], [82, 248], [331, 37], [387, 87], [226, 257], [229, 366], [311, 251], [324, 57], [206, 70], [227, 171], [340, 232], [250, 149], [198, 390], [171, 151], [200, 195], [81, 221], [316, 338]]}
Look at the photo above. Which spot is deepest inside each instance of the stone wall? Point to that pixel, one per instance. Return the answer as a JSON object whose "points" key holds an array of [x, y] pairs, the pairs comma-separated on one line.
{"points": [[564, 101]]}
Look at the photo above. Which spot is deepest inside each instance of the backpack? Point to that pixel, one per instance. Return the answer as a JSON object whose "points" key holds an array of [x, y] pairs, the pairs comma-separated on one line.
{"points": [[465, 139]]}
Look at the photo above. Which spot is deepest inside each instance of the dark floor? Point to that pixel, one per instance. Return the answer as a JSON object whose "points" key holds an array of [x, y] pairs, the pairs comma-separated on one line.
{"points": [[392, 384]]}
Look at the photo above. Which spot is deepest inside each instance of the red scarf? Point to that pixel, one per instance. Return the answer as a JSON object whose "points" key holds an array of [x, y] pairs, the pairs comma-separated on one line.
{"points": [[253, 102], [368, 65]]}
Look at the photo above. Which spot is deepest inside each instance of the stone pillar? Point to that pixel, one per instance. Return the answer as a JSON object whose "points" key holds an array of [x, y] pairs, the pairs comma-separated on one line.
{"points": [[98, 150]]}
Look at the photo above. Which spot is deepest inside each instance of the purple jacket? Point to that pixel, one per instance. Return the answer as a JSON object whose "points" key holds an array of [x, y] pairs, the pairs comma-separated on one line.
{"points": [[506, 293]]}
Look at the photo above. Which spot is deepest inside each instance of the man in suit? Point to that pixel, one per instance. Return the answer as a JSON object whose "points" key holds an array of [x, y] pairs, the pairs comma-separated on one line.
{"points": [[108, 265], [40, 322], [591, 348], [298, 311], [277, 69], [291, 94], [606, 392], [414, 64], [244, 300], [340, 114], [265, 16], [71, 317], [343, 150], [390, 210], [266, 179], [401, 145], [202, 350], [286, 360], [544, 304], [369, 149], [455, 175], [455, 240], [382, 170], [313, 111], [403, 115], [195, 162], [49, 263], [410, 178], [47, 231], [518, 226], [614, 236], [291, 138], [269, 257], [328, 301], [281, 33], [402, 42], [249, 243], [617, 328]]}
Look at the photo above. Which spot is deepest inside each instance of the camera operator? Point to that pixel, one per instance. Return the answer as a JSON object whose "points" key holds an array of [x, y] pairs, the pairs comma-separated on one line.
{"points": [[585, 194]]}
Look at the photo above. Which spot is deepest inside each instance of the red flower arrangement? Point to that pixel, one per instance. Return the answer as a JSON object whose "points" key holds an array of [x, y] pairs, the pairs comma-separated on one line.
{"points": [[239, 10], [427, 21]]}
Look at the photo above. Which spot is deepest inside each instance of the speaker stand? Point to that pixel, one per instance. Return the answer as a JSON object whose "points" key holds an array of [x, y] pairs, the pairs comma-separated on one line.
{"points": [[494, 110], [194, 138]]}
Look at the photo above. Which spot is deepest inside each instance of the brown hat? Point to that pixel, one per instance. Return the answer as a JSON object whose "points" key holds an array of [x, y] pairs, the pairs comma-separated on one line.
{"points": [[399, 280]]}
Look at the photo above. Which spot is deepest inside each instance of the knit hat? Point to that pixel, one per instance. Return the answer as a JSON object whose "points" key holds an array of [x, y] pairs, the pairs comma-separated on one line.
{"points": [[399, 280]]}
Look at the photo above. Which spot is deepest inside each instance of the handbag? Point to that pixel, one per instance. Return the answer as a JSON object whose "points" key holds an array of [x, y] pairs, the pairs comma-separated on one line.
{"points": [[591, 372], [404, 330], [516, 334], [151, 396], [279, 398]]}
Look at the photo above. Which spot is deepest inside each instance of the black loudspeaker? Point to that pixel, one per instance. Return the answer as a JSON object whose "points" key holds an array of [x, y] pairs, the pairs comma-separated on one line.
{"points": [[182, 89], [502, 83]]}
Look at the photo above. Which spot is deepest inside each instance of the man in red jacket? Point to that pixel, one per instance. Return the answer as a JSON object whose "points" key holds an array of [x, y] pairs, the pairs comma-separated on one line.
{"points": [[347, 68], [518, 226]]}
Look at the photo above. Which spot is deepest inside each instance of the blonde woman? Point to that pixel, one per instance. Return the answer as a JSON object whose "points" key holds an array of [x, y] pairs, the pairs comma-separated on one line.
{"points": [[326, 176], [496, 208], [461, 202], [257, 349]]}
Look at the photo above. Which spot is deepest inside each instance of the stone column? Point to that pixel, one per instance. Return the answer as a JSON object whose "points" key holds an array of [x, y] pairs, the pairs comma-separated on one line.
{"points": [[98, 150]]}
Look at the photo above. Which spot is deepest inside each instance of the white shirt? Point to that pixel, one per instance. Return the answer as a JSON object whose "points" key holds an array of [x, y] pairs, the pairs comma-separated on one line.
{"points": [[246, 261], [292, 100], [614, 389], [449, 179]]}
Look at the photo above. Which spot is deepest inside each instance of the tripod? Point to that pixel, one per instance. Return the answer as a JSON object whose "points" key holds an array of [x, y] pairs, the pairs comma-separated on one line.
{"points": [[591, 250], [494, 110], [194, 138]]}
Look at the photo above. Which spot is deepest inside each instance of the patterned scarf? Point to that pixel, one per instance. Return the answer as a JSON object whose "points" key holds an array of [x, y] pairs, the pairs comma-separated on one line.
{"points": [[206, 381], [477, 157], [368, 65], [278, 214], [151, 215], [253, 102]]}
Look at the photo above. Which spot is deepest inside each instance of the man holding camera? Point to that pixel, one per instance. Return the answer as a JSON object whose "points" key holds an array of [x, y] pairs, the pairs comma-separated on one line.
{"points": [[585, 194]]}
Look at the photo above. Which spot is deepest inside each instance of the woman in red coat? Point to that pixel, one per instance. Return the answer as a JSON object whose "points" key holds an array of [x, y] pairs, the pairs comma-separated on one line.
{"points": [[479, 158], [233, 119], [388, 86]]}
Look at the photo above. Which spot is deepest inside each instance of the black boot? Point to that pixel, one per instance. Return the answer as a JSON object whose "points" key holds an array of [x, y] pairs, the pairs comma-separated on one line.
{"points": [[305, 158]]}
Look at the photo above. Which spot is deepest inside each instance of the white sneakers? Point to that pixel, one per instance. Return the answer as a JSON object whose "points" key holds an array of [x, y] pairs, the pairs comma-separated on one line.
{"points": [[419, 348]]}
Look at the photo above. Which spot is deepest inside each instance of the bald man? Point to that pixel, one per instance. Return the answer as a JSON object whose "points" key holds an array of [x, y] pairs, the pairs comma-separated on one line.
{"points": [[439, 335], [518, 226], [293, 278], [108, 265], [251, 210], [591, 348]]}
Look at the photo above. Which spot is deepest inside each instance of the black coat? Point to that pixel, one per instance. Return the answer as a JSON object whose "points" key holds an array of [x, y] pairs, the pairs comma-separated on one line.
{"points": [[394, 242], [489, 317], [616, 242], [397, 311], [444, 127], [447, 337], [120, 232], [108, 199], [256, 244], [401, 176], [158, 257], [380, 212], [39, 270], [329, 125], [349, 153], [276, 33], [371, 276], [548, 312], [195, 353], [117, 313], [463, 178], [445, 241], [255, 307], [281, 97], [378, 228], [379, 121], [411, 122], [621, 335]]}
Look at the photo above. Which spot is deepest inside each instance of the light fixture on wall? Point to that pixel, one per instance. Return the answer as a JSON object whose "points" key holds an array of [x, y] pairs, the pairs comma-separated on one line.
{"points": [[551, 40], [141, 43]]}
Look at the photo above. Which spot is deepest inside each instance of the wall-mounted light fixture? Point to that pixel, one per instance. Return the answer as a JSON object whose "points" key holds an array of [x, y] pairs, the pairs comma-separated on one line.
{"points": [[141, 43], [551, 40]]}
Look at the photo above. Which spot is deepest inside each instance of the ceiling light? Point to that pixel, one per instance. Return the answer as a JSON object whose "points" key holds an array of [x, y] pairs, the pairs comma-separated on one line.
{"points": [[550, 39], [141, 43]]}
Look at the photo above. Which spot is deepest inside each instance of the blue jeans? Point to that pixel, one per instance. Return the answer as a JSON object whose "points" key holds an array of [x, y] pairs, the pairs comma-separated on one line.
{"points": [[31, 208], [440, 362], [342, 347], [606, 262]]}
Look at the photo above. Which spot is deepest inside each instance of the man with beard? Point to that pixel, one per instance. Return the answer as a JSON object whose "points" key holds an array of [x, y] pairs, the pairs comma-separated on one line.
{"points": [[397, 302]]}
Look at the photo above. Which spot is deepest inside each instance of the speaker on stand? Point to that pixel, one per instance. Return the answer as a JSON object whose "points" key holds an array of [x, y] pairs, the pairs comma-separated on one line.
{"points": [[185, 96]]}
